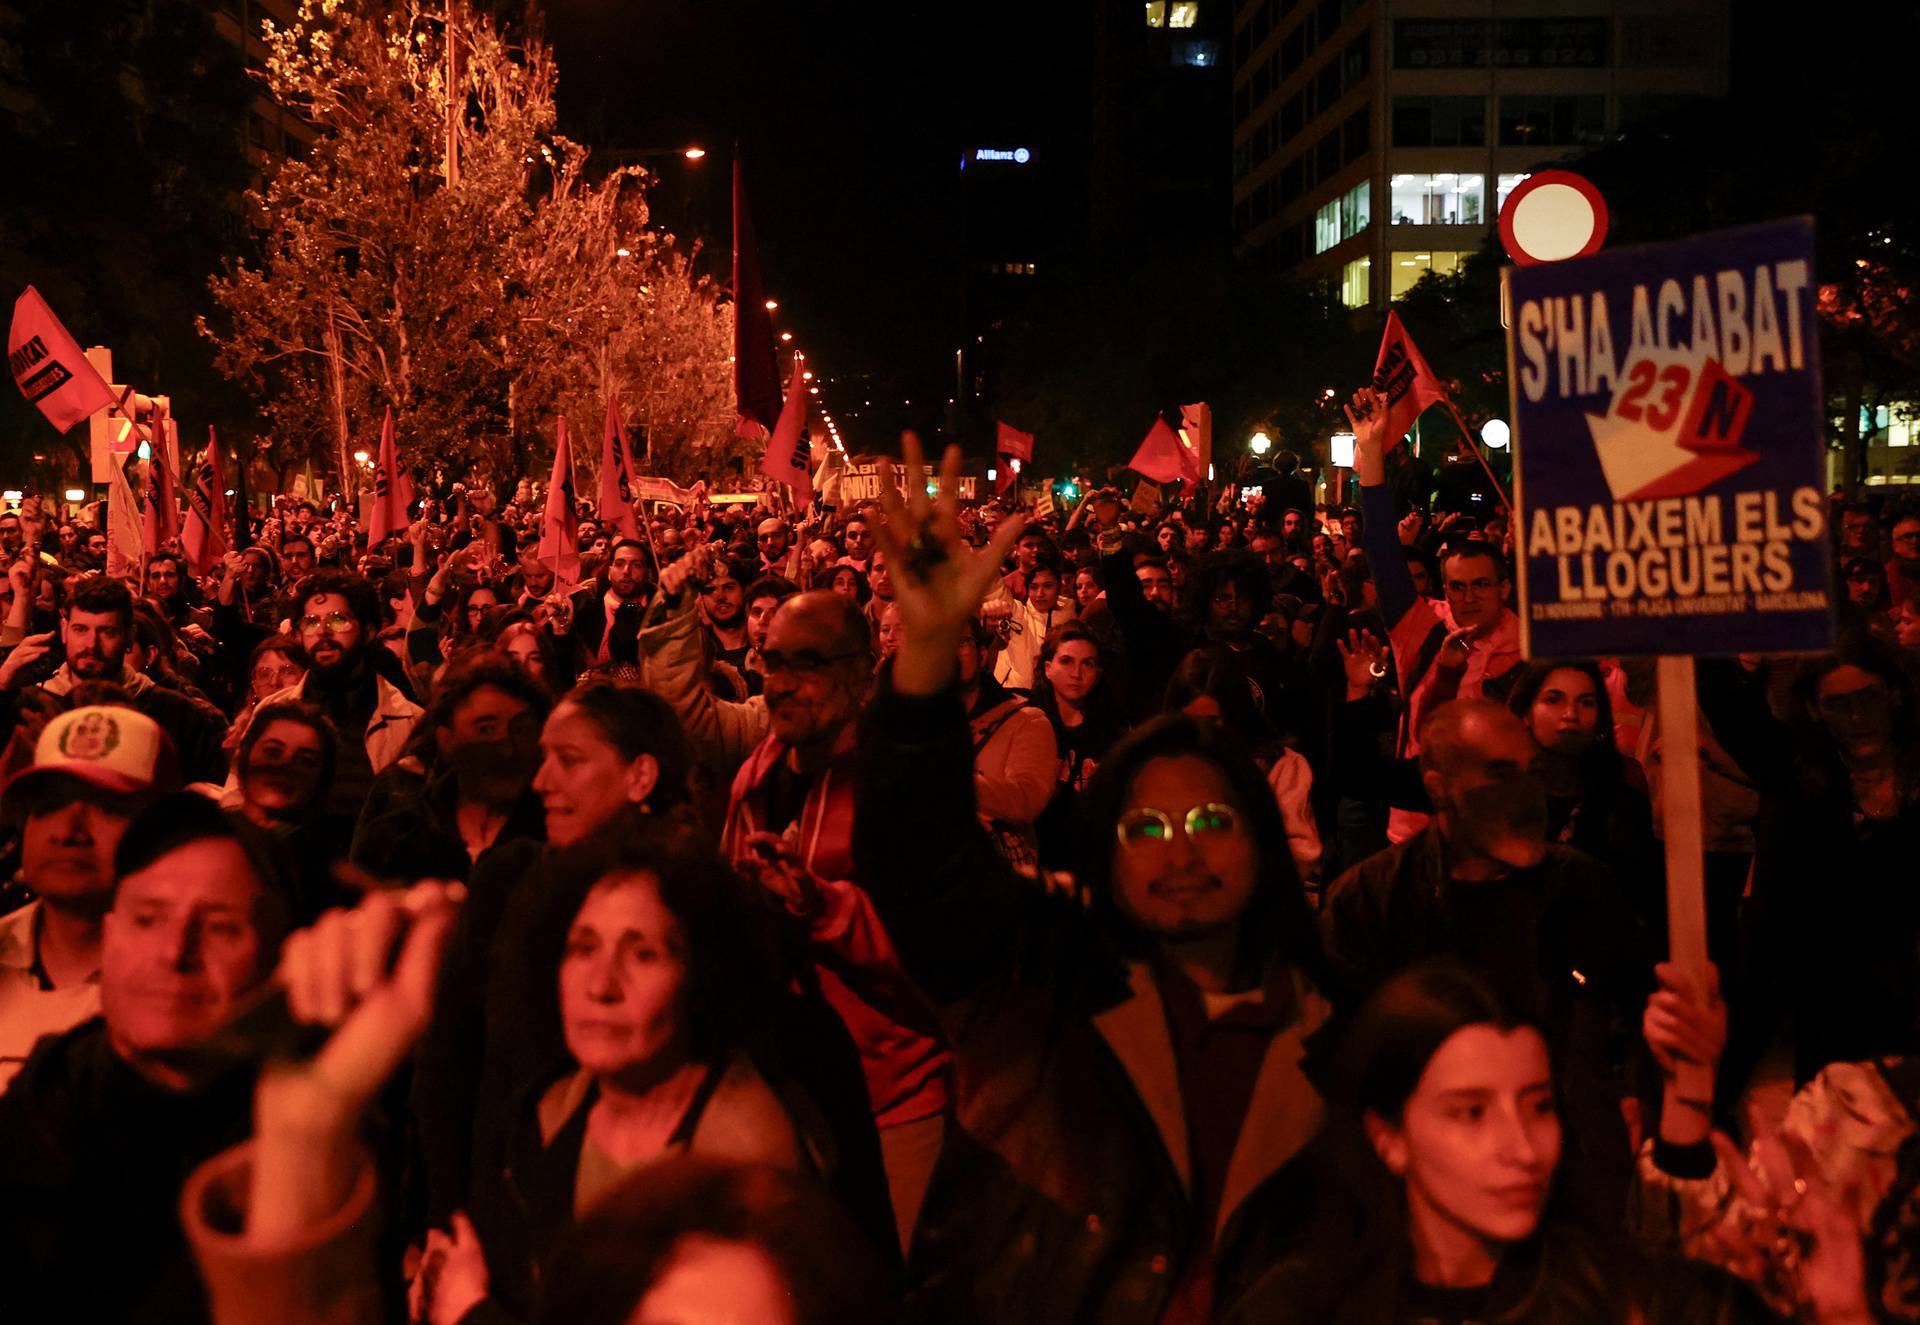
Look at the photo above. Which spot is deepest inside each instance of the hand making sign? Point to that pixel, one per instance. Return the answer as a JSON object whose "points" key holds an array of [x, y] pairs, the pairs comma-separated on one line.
{"points": [[1668, 453]]}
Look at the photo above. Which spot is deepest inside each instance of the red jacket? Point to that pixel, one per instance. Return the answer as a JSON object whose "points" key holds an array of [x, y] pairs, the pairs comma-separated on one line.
{"points": [[905, 1061]]}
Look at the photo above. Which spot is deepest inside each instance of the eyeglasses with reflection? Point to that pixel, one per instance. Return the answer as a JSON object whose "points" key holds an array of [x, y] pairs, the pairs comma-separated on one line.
{"points": [[332, 622], [805, 664], [1146, 827]]}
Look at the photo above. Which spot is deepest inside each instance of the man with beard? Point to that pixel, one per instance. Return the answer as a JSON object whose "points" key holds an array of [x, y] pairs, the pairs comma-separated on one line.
{"points": [[96, 628], [607, 611], [337, 616], [723, 606], [485, 724], [1545, 925], [93, 769], [1903, 565], [536, 579]]}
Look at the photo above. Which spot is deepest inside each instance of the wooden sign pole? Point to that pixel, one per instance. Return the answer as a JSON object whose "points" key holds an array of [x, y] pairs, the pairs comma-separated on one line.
{"points": [[1685, 841]]}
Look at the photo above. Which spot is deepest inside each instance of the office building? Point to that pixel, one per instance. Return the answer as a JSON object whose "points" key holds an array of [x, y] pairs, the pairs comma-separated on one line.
{"points": [[1375, 140]]}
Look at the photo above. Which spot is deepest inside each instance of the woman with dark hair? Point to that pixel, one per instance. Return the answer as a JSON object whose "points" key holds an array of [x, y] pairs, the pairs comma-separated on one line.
{"points": [[1590, 803], [847, 581], [1128, 1096], [667, 967], [1833, 914], [614, 762], [1442, 1144], [522, 639], [1074, 694]]}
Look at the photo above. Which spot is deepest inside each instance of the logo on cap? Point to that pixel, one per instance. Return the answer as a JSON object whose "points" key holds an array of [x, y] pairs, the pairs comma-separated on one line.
{"points": [[94, 736]]}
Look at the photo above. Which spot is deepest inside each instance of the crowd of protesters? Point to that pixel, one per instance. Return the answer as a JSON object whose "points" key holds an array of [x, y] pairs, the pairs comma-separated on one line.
{"points": [[909, 911]]}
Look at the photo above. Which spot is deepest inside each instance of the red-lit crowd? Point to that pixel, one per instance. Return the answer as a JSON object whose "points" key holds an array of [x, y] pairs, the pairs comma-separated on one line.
{"points": [[922, 912]]}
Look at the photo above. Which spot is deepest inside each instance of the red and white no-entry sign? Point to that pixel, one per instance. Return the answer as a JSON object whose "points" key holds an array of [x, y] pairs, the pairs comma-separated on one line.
{"points": [[1553, 215]]}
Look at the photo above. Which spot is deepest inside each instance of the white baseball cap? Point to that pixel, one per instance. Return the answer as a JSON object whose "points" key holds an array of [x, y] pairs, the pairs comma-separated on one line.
{"points": [[116, 749]]}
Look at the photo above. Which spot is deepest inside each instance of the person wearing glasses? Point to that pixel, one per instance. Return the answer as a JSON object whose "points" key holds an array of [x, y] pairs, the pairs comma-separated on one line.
{"points": [[1129, 1098], [1463, 645], [336, 619], [791, 814]]}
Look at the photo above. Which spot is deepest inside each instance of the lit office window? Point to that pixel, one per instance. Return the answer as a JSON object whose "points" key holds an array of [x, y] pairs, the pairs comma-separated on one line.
{"points": [[1356, 282], [1408, 267], [1503, 185], [1443, 199], [1343, 218], [1903, 429], [1156, 13], [1183, 13]]}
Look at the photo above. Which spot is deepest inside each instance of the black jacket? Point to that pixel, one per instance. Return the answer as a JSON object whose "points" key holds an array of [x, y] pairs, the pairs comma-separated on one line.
{"points": [[92, 1160], [1063, 1193]]}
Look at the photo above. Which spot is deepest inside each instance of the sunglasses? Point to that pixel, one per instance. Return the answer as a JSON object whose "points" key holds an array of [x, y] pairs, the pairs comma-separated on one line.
{"points": [[332, 621], [1148, 827]]}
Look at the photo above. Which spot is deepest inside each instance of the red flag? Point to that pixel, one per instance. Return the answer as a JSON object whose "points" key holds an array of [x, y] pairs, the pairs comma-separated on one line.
{"points": [[1402, 376], [161, 519], [1196, 433], [1161, 457], [616, 475], [560, 528], [1009, 440], [756, 365], [392, 493], [1009, 479], [786, 457], [205, 539], [48, 366]]}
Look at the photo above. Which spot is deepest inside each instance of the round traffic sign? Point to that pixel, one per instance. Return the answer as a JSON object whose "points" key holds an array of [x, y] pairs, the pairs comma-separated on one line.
{"points": [[1553, 215]]}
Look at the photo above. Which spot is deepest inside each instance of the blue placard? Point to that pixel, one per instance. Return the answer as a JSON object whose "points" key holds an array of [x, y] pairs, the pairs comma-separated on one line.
{"points": [[1668, 452]]}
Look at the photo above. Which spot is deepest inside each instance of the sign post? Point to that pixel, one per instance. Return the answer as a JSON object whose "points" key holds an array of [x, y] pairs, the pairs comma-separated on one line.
{"points": [[1668, 488]]}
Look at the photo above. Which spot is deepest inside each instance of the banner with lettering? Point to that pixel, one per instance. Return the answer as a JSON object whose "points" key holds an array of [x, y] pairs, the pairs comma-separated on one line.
{"points": [[1669, 462]]}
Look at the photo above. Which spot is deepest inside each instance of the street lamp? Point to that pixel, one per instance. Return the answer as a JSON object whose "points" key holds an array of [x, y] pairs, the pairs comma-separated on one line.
{"points": [[1496, 434], [773, 305], [694, 153], [1260, 443], [360, 457]]}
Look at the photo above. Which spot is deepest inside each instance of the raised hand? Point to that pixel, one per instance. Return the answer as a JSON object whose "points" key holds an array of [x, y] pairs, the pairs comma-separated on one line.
{"points": [[1367, 417], [337, 973], [1364, 661], [938, 581]]}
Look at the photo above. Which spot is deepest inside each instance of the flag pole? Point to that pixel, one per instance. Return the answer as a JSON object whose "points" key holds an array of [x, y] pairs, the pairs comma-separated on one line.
{"points": [[1485, 468]]}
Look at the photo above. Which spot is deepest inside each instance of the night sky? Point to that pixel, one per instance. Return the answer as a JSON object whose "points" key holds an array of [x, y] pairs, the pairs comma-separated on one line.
{"points": [[852, 118]]}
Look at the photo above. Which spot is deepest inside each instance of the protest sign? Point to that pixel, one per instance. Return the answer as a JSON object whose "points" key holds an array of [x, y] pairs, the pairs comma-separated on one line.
{"points": [[1668, 457]]}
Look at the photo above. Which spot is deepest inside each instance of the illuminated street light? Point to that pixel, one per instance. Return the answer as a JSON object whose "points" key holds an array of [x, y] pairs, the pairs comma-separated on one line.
{"points": [[623, 253], [694, 153], [806, 376], [1260, 443], [76, 494], [360, 457], [786, 335], [772, 304], [1496, 434]]}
